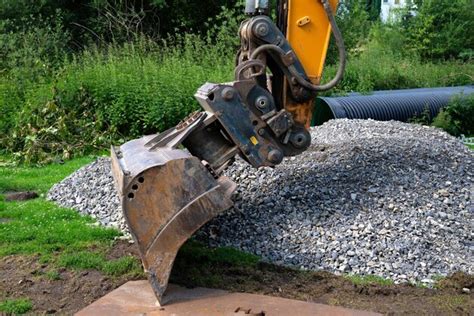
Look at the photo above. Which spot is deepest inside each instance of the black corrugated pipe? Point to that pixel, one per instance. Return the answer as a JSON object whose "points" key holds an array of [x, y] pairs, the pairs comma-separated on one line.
{"points": [[399, 105]]}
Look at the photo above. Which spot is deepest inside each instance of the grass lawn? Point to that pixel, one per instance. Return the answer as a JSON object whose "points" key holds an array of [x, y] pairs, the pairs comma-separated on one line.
{"points": [[60, 237], [39, 179], [368, 280]]}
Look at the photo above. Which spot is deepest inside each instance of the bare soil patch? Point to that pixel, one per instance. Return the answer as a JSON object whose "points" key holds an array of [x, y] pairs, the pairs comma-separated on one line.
{"points": [[20, 196], [26, 277]]}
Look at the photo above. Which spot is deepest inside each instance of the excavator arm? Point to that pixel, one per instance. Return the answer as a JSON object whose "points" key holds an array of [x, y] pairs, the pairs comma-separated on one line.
{"points": [[172, 183]]}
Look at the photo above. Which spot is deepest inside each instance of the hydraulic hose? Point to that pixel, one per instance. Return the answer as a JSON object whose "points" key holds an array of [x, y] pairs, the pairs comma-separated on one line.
{"points": [[294, 73], [277, 49], [342, 55]]}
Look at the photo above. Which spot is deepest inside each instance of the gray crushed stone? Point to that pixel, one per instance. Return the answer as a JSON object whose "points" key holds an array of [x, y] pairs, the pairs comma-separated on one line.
{"points": [[371, 198], [91, 191]]}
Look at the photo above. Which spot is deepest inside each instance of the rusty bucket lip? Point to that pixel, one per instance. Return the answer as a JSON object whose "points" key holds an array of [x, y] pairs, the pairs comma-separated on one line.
{"points": [[167, 195]]}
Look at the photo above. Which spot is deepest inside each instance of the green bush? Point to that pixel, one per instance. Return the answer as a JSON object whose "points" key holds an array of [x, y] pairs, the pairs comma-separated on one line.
{"points": [[458, 117], [441, 29], [377, 68], [431, 29], [383, 59], [101, 97], [34, 48], [354, 22], [30, 52], [71, 105]]}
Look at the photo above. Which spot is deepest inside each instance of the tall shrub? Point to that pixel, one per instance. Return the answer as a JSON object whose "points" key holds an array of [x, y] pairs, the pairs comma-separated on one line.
{"points": [[442, 29], [458, 117], [354, 22]]}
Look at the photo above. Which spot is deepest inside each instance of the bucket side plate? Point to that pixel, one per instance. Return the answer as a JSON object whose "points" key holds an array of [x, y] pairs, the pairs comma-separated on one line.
{"points": [[167, 195]]}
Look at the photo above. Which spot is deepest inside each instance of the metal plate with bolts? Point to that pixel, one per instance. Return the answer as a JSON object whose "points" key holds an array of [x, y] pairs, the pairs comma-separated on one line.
{"points": [[137, 298]]}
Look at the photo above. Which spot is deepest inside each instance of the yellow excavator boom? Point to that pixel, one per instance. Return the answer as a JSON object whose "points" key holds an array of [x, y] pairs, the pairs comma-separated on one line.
{"points": [[308, 31]]}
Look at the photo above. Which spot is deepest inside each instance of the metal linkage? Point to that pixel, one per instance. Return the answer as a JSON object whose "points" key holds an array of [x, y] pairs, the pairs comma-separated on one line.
{"points": [[271, 40], [260, 35]]}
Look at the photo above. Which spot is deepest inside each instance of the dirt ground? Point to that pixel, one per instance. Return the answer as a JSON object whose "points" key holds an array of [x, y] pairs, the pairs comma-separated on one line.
{"points": [[26, 277]]}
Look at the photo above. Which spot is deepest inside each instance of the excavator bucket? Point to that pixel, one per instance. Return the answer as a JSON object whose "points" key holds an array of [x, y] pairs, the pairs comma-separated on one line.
{"points": [[167, 194]]}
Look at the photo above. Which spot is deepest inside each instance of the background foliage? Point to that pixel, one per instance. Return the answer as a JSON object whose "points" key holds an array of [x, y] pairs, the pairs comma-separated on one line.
{"points": [[440, 29], [458, 117], [76, 76]]}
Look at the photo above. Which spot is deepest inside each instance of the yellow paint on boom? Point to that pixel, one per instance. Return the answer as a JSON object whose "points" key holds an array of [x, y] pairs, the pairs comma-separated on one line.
{"points": [[308, 33]]}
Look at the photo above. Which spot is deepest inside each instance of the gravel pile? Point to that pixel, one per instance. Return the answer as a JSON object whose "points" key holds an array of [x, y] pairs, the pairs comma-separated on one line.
{"points": [[91, 191], [383, 198]]}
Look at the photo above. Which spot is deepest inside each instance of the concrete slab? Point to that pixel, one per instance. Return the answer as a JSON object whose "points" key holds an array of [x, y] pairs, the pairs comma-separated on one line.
{"points": [[137, 298]]}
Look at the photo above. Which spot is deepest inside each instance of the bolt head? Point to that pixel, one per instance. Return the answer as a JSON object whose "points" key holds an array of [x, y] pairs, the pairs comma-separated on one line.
{"points": [[275, 156], [228, 93], [262, 102], [300, 140], [262, 29]]}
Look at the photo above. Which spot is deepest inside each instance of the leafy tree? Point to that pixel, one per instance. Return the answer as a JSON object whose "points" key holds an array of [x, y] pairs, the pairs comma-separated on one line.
{"points": [[102, 21], [373, 7], [354, 22], [442, 29]]}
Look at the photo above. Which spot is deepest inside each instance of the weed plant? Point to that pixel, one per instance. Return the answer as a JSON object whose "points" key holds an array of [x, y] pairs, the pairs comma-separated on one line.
{"points": [[56, 105], [457, 118], [16, 306]]}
